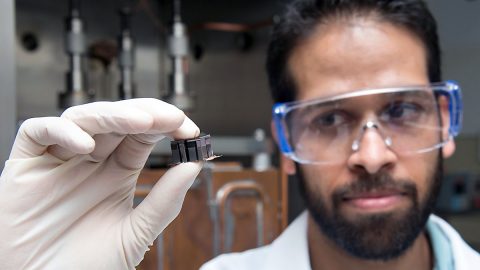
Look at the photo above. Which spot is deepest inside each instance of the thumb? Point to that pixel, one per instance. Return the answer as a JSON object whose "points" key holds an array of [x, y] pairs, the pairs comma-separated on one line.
{"points": [[157, 210]]}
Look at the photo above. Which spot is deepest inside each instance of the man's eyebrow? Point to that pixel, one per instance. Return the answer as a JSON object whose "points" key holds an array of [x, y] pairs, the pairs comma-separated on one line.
{"points": [[326, 103], [419, 93]]}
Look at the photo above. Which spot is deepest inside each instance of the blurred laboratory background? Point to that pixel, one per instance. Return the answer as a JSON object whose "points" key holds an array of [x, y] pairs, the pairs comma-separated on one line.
{"points": [[206, 57]]}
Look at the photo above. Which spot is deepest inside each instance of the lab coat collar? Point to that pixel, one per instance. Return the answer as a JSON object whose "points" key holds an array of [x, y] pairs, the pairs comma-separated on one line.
{"points": [[464, 257], [290, 249]]}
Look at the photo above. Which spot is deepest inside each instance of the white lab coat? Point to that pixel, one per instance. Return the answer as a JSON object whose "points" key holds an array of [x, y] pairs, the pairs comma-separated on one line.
{"points": [[290, 251]]}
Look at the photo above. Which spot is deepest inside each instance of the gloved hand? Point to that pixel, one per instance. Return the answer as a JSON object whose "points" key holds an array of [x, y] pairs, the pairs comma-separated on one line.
{"points": [[66, 193]]}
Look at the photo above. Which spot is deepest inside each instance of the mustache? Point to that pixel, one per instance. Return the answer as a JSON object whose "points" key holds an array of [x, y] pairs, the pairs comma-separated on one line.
{"points": [[378, 182]]}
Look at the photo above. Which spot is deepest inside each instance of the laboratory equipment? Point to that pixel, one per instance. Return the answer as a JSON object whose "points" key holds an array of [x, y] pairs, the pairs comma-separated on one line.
{"points": [[76, 91]]}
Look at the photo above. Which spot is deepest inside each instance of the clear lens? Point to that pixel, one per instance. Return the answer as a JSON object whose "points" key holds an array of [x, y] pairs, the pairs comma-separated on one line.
{"points": [[412, 120]]}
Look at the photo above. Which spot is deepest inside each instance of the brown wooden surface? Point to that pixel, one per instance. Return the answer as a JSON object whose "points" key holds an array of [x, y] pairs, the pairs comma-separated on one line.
{"points": [[188, 240], [284, 198], [150, 261]]}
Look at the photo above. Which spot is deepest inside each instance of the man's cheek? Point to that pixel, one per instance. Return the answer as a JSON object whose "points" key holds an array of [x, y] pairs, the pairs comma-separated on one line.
{"points": [[320, 197], [320, 185], [424, 176]]}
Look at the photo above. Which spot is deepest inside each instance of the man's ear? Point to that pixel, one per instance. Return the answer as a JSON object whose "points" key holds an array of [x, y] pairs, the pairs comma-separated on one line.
{"points": [[288, 166], [448, 149]]}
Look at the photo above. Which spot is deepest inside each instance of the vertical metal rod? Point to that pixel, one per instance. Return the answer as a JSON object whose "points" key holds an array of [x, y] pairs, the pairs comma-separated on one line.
{"points": [[76, 91], [259, 210], [177, 44], [160, 250], [207, 174], [126, 57]]}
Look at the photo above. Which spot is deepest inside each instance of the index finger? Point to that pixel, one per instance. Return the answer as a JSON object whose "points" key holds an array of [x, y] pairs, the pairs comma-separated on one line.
{"points": [[37, 134], [134, 116], [134, 150]]}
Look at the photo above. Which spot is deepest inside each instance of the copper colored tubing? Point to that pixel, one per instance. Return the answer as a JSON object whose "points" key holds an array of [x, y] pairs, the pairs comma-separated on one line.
{"points": [[231, 27]]}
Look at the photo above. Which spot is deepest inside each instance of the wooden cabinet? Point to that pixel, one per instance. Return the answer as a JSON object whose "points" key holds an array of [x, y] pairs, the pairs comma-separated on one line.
{"points": [[224, 211]]}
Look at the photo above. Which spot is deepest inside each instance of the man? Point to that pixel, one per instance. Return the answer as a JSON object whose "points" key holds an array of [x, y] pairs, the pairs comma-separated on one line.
{"points": [[364, 122], [366, 133]]}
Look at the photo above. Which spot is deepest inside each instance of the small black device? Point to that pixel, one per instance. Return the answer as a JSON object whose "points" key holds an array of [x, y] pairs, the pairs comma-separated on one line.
{"points": [[195, 149]]}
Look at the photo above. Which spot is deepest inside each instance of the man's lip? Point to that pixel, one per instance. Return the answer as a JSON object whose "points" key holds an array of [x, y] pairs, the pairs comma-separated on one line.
{"points": [[375, 200], [373, 194]]}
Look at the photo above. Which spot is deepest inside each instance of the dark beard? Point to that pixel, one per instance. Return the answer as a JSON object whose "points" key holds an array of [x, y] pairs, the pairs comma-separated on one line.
{"points": [[383, 236]]}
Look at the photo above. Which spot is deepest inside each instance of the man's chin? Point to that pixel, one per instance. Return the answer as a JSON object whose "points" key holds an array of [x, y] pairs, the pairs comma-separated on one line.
{"points": [[369, 221], [382, 235]]}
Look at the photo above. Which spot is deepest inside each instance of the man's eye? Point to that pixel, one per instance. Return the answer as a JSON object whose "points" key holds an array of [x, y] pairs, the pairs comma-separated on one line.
{"points": [[329, 120], [401, 112]]}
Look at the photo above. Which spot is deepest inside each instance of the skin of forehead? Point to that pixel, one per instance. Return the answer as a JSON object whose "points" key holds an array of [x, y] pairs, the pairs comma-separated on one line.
{"points": [[338, 58]]}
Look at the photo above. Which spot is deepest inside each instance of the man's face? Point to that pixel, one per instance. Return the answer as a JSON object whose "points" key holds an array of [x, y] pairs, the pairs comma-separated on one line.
{"points": [[375, 203]]}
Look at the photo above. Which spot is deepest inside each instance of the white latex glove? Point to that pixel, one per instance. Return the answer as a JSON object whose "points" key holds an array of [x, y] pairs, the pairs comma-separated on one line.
{"points": [[66, 193]]}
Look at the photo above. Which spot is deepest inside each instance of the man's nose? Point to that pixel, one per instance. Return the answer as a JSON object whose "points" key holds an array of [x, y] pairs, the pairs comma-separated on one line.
{"points": [[371, 150]]}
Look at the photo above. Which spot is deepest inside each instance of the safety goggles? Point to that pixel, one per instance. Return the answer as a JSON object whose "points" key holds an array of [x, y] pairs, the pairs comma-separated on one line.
{"points": [[410, 120]]}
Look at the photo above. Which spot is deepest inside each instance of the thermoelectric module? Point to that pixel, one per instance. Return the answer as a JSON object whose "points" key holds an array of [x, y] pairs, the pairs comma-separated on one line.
{"points": [[195, 149]]}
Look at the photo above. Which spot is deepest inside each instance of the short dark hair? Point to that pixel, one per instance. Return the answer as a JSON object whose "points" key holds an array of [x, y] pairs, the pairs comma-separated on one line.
{"points": [[302, 16]]}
